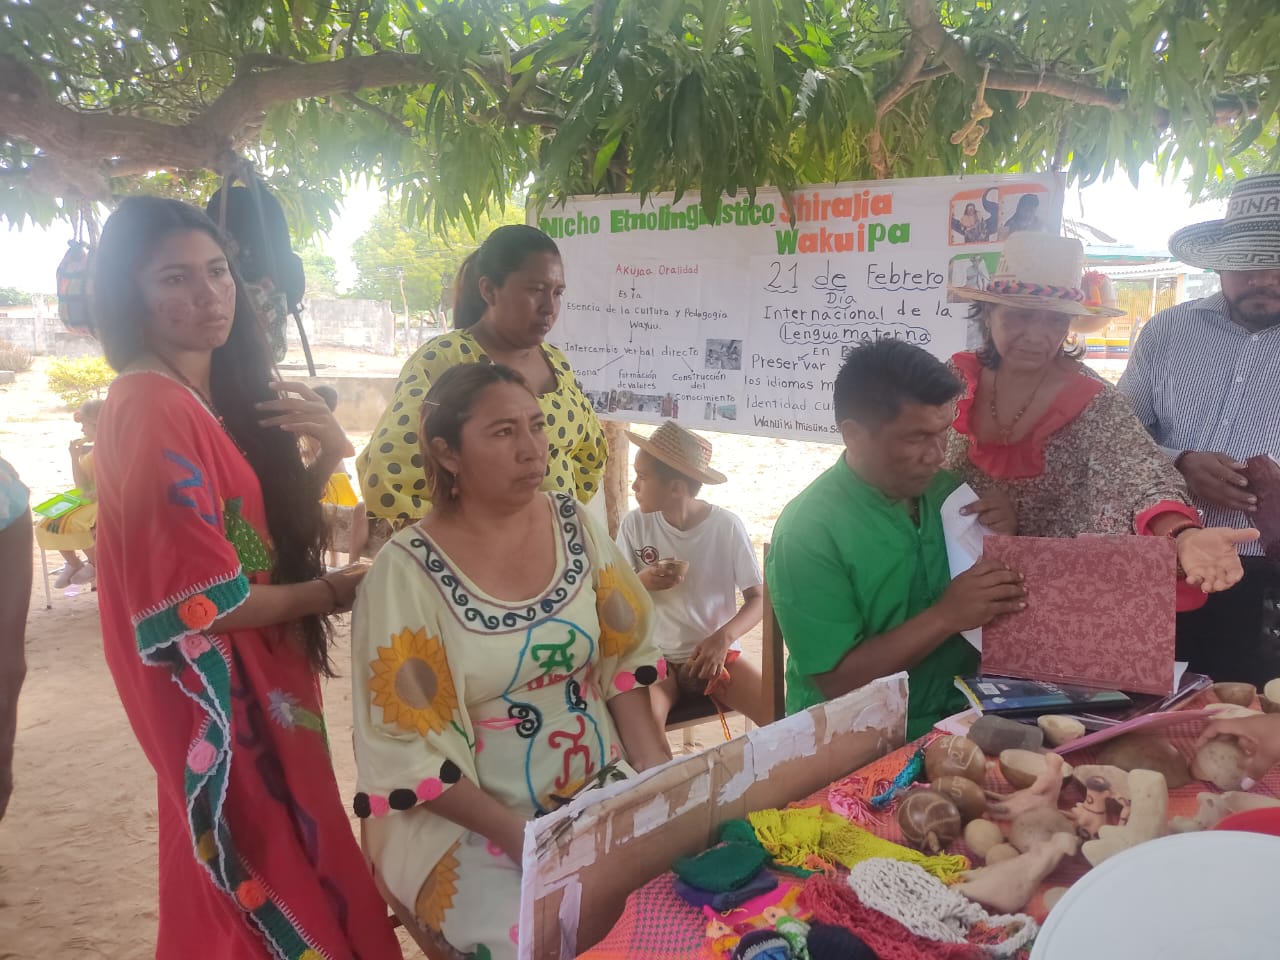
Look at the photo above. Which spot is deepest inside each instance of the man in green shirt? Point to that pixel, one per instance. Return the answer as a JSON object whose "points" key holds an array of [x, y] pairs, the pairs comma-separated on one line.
{"points": [[857, 570]]}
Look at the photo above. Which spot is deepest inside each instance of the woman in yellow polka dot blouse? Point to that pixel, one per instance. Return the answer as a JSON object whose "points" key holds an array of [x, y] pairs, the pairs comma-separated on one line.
{"points": [[506, 302]]}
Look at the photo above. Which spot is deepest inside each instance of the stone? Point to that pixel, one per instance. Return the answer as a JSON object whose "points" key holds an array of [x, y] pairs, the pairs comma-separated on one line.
{"points": [[1241, 694], [993, 735], [1137, 751], [1059, 730]]}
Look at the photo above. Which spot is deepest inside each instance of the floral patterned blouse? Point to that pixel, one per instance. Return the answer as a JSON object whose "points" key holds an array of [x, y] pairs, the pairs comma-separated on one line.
{"points": [[1086, 466]]}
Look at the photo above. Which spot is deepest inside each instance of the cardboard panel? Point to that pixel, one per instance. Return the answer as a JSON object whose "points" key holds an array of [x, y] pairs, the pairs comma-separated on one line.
{"points": [[581, 862]]}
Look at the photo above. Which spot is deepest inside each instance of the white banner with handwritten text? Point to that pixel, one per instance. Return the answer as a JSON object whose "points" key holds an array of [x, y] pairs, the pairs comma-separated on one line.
{"points": [[738, 321]]}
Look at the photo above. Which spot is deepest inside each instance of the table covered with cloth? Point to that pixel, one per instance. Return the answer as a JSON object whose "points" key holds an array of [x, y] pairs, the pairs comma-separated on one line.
{"points": [[658, 925]]}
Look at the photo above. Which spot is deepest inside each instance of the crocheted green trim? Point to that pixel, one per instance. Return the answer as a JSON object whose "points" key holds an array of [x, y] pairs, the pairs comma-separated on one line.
{"points": [[156, 630], [202, 668]]}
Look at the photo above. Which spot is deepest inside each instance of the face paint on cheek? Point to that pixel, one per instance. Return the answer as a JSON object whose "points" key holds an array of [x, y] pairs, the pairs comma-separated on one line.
{"points": [[174, 310]]}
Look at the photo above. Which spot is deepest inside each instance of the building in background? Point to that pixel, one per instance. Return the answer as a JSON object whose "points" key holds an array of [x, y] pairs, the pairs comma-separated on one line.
{"points": [[36, 328], [1146, 281]]}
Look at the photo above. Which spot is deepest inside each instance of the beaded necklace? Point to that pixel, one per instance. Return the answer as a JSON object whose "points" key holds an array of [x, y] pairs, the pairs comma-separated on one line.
{"points": [[1006, 432]]}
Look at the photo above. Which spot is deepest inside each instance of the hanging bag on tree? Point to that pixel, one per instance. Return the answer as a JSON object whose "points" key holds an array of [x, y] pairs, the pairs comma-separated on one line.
{"points": [[253, 218], [73, 289]]}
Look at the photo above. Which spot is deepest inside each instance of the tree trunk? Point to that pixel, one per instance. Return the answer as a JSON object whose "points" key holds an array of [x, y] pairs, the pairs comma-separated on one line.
{"points": [[405, 301], [617, 474]]}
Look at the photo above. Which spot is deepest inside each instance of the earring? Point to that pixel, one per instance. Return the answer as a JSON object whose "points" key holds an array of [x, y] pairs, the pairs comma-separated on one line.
{"points": [[453, 492]]}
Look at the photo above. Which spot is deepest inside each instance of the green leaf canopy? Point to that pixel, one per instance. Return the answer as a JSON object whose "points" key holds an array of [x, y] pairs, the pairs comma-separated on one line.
{"points": [[455, 105]]}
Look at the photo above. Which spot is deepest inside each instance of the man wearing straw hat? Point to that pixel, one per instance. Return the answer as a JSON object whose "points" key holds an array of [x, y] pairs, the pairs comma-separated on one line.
{"points": [[1204, 378], [694, 558]]}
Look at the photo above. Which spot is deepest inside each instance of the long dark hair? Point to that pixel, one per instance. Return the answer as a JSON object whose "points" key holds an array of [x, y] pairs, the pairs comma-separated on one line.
{"points": [[446, 408], [503, 253], [239, 374]]}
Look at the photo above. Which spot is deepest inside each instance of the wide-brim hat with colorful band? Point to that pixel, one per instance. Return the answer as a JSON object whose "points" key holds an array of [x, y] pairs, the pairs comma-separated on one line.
{"points": [[1247, 238], [681, 450], [1042, 272]]}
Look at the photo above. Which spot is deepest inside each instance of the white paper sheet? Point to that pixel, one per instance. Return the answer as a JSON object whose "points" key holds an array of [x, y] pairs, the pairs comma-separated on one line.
{"points": [[963, 536]]}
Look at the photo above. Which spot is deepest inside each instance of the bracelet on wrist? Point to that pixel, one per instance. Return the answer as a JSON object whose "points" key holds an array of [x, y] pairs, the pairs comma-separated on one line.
{"points": [[1174, 534], [333, 594]]}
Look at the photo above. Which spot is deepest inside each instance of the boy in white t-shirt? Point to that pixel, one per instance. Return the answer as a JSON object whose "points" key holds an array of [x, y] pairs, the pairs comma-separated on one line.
{"points": [[694, 558]]}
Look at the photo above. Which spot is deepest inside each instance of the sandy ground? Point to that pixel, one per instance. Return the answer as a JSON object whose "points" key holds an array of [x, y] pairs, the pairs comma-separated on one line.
{"points": [[77, 847]]}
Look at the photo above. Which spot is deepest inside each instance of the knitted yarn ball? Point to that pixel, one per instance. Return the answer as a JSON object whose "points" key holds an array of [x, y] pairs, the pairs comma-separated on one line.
{"points": [[796, 933], [827, 942], [762, 945]]}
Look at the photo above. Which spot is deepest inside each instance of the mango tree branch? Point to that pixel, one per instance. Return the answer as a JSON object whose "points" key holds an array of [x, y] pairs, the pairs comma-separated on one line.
{"points": [[908, 76], [1063, 88], [927, 28], [87, 149]]}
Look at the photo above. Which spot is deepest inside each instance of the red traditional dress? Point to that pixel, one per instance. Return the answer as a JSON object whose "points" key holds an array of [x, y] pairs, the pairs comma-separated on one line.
{"points": [[257, 856]]}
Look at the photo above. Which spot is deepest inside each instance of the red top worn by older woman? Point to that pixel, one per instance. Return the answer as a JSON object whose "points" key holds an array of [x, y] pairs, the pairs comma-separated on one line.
{"points": [[1086, 466], [257, 856]]}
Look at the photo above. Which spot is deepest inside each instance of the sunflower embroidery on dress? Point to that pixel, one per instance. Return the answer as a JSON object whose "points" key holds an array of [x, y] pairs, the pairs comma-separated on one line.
{"points": [[618, 609], [437, 892], [412, 684]]}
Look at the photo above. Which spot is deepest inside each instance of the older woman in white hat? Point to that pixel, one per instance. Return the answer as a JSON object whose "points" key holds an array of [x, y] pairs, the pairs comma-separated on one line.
{"points": [[1059, 440]]}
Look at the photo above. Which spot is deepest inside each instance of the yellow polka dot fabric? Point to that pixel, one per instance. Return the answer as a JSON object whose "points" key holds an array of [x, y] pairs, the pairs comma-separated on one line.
{"points": [[391, 468]]}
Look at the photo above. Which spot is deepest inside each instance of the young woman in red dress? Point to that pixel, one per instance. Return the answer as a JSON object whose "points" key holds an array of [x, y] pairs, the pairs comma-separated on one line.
{"points": [[214, 601]]}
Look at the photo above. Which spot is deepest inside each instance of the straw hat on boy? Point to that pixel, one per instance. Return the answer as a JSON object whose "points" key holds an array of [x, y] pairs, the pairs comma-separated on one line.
{"points": [[1247, 238], [681, 450], [1042, 272]]}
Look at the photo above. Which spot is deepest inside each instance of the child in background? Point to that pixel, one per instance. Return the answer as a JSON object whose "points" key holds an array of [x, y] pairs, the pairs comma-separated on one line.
{"points": [[343, 509], [74, 530], [693, 557]]}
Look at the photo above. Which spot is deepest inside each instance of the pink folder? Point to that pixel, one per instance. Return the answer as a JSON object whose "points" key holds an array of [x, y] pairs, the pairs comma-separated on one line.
{"points": [[1100, 612], [1147, 723]]}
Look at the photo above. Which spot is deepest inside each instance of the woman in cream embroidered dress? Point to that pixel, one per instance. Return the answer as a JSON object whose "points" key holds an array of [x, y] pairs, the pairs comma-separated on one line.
{"points": [[501, 656], [1062, 443]]}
